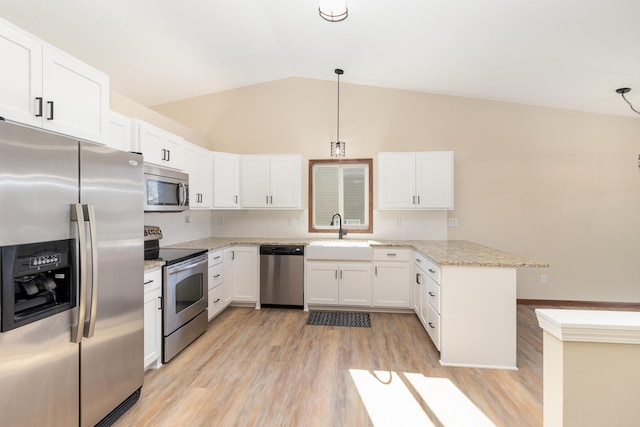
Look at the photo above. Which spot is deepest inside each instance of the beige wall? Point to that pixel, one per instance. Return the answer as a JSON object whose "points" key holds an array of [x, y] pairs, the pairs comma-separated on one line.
{"points": [[559, 186]]}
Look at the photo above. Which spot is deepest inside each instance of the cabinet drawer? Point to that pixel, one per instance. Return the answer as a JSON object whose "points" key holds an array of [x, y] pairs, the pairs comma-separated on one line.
{"points": [[215, 275], [216, 303], [432, 270], [433, 293], [433, 325], [153, 279], [215, 257], [391, 254]]}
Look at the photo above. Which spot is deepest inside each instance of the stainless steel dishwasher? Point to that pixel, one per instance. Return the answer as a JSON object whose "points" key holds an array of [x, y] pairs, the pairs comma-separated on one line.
{"points": [[282, 275]]}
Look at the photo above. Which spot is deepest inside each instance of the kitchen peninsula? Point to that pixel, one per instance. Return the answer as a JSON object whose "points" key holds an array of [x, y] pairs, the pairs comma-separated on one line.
{"points": [[463, 293]]}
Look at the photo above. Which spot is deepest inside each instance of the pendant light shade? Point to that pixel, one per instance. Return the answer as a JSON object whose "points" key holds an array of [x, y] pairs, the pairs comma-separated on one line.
{"points": [[338, 148], [333, 10]]}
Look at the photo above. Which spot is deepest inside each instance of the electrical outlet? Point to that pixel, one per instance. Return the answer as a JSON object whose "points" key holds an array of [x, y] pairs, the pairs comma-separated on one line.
{"points": [[453, 222], [187, 219], [543, 279]]}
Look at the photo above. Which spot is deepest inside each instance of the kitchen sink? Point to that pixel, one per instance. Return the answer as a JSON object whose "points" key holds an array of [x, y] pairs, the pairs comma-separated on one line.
{"points": [[342, 250]]}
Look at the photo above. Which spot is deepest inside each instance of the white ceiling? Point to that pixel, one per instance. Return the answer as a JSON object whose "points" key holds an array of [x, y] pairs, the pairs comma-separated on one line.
{"points": [[569, 54]]}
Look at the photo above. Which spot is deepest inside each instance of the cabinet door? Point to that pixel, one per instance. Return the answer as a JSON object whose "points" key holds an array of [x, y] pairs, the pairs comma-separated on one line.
{"points": [[76, 97], [417, 291], [205, 179], [434, 180], [152, 318], [20, 76], [286, 181], [174, 145], [391, 285], [245, 274], [255, 181], [226, 180], [396, 180], [355, 284], [322, 283], [119, 132], [151, 143]]}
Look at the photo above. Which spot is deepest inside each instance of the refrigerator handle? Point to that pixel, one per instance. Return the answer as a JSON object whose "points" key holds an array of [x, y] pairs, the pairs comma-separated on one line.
{"points": [[90, 216], [77, 330]]}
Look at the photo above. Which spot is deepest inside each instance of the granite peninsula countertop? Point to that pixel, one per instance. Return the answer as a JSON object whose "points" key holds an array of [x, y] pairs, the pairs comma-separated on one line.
{"points": [[442, 252]]}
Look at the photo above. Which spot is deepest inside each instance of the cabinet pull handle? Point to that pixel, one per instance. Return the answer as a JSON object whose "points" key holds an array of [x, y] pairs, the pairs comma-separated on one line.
{"points": [[392, 254], [149, 281], [431, 325], [266, 200], [271, 199], [159, 303], [168, 155], [432, 271], [418, 279], [414, 200], [418, 260], [233, 254], [336, 274], [341, 274], [39, 113], [418, 199], [431, 294], [164, 154], [216, 301], [216, 257], [50, 110], [236, 199], [376, 270], [216, 276]]}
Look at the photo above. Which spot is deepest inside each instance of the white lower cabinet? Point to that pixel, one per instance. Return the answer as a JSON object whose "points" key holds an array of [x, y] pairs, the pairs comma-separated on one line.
{"points": [[331, 283], [218, 300], [391, 281], [241, 270], [153, 319]]}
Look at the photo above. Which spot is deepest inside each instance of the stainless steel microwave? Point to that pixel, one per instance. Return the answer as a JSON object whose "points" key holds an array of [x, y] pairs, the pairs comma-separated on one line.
{"points": [[166, 190]]}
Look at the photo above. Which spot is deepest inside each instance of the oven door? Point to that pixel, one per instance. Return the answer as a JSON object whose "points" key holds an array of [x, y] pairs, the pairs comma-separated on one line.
{"points": [[185, 292]]}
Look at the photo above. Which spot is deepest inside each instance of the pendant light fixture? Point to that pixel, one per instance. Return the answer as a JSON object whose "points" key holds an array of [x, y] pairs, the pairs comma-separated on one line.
{"points": [[622, 91], [338, 147], [333, 10]]}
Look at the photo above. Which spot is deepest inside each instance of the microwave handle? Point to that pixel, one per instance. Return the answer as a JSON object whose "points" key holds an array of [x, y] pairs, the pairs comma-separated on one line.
{"points": [[182, 199]]}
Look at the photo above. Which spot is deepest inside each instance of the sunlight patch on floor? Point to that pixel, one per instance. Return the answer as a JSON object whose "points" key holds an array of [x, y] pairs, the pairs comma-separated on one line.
{"points": [[448, 403], [389, 401]]}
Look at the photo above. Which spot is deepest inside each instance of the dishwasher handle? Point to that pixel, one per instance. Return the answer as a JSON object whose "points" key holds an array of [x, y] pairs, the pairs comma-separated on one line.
{"points": [[293, 250]]}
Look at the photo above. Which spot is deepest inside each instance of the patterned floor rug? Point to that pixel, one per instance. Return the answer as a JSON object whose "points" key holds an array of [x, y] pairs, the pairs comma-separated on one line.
{"points": [[339, 318]]}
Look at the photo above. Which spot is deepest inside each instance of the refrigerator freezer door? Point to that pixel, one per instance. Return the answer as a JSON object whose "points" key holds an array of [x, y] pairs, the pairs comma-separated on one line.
{"points": [[38, 362], [112, 359]]}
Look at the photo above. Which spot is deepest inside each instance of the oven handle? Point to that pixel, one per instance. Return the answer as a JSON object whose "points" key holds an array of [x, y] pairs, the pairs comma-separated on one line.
{"points": [[187, 267], [91, 217], [77, 216]]}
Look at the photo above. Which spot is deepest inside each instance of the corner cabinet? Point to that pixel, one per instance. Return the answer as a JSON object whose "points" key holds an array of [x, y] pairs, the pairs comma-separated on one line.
{"points": [[199, 166], [271, 181], [152, 319], [415, 180], [240, 269], [391, 278], [226, 180], [44, 87]]}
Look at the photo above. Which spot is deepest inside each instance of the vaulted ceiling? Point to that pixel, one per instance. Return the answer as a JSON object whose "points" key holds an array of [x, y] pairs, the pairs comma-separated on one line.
{"points": [[569, 54]]}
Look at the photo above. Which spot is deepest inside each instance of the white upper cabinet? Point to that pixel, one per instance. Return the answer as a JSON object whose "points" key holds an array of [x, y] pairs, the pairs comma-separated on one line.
{"points": [[199, 166], [119, 132], [272, 181], [421, 180], [157, 145], [226, 180], [44, 87]]}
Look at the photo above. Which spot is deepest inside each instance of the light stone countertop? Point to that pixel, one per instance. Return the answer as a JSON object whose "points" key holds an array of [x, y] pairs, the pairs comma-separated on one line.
{"points": [[152, 265], [442, 252]]}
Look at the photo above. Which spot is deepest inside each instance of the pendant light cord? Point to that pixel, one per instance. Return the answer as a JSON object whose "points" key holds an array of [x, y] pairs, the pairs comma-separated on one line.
{"points": [[623, 97], [338, 119]]}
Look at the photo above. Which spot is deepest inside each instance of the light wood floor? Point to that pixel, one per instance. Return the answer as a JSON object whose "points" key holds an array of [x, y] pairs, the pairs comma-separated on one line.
{"points": [[267, 368]]}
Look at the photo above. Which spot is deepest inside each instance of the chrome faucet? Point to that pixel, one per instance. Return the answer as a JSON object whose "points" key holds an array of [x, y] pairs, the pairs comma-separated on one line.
{"points": [[341, 232]]}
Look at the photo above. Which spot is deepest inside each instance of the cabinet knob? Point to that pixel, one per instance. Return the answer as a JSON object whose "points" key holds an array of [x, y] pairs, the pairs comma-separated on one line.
{"points": [[432, 271], [431, 294], [217, 301]]}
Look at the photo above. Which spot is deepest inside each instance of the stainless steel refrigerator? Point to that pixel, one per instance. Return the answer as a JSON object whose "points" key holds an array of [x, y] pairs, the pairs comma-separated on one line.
{"points": [[71, 221]]}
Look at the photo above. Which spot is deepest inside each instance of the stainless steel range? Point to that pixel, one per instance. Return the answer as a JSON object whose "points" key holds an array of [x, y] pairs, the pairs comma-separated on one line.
{"points": [[184, 292]]}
